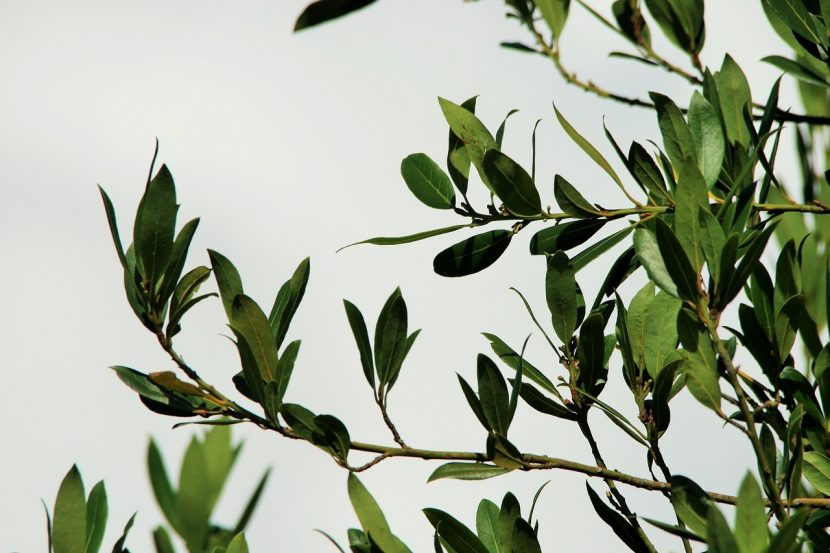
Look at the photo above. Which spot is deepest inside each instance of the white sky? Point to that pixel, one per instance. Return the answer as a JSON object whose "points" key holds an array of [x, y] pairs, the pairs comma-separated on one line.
{"points": [[287, 146]]}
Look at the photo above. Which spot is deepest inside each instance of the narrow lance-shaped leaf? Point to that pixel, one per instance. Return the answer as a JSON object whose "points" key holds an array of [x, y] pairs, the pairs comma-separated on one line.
{"points": [[456, 535], [96, 517], [227, 279], [322, 11], [690, 197], [397, 240], [492, 392], [691, 504], [751, 530], [458, 161], [734, 96], [248, 320], [466, 471], [677, 264], [570, 200], [371, 517], [361, 337], [621, 527], [677, 138], [288, 300]]}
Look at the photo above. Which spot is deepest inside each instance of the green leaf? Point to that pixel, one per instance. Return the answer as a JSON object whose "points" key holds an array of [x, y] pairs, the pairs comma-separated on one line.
{"points": [[538, 401], [473, 401], [751, 530], [797, 69], [707, 136], [681, 22], [677, 137], [162, 540], [560, 292], [591, 353], [113, 225], [719, 538], [738, 277], [193, 510], [555, 13], [569, 199], [690, 197], [674, 530], [795, 15], [288, 300], [473, 254], [96, 517], [509, 513], [249, 323], [178, 257], [154, 228], [786, 538], [691, 504], [472, 132], [238, 544], [700, 366], [390, 338], [334, 434], [513, 360], [252, 503], [564, 236], [466, 471], [140, 383], [511, 184], [621, 527], [735, 97], [427, 181], [712, 241], [187, 287], [647, 173], [119, 545], [817, 470], [677, 264], [598, 248], [587, 147], [492, 392], [458, 161], [456, 535], [227, 279], [162, 489], [524, 538], [322, 11], [487, 526], [397, 240], [69, 525], [361, 338], [371, 517]]}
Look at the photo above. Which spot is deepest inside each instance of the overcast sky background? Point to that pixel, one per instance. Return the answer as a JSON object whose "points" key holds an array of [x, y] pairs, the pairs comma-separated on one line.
{"points": [[289, 146]]}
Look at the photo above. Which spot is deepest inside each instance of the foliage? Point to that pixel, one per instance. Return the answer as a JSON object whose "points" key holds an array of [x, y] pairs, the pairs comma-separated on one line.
{"points": [[77, 524], [701, 212]]}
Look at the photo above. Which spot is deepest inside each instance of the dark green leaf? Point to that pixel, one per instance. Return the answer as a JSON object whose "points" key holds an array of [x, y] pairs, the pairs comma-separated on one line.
{"points": [[119, 545], [500, 131], [162, 540], [396, 240], [249, 322], [524, 538], [487, 526], [113, 224], [647, 173], [677, 138], [691, 504], [227, 279], [509, 513], [786, 538], [700, 366], [598, 248], [371, 517], [333, 433], [513, 359], [288, 300], [621, 527], [560, 292], [96, 517], [427, 181], [564, 236], [154, 228], [543, 404], [473, 401], [570, 201], [361, 338], [738, 277], [473, 254], [511, 184], [390, 338], [492, 392], [817, 470], [327, 10], [711, 240], [679, 268], [456, 535], [587, 147], [591, 353], [466, 471], [178, 256], [674, 530]]}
